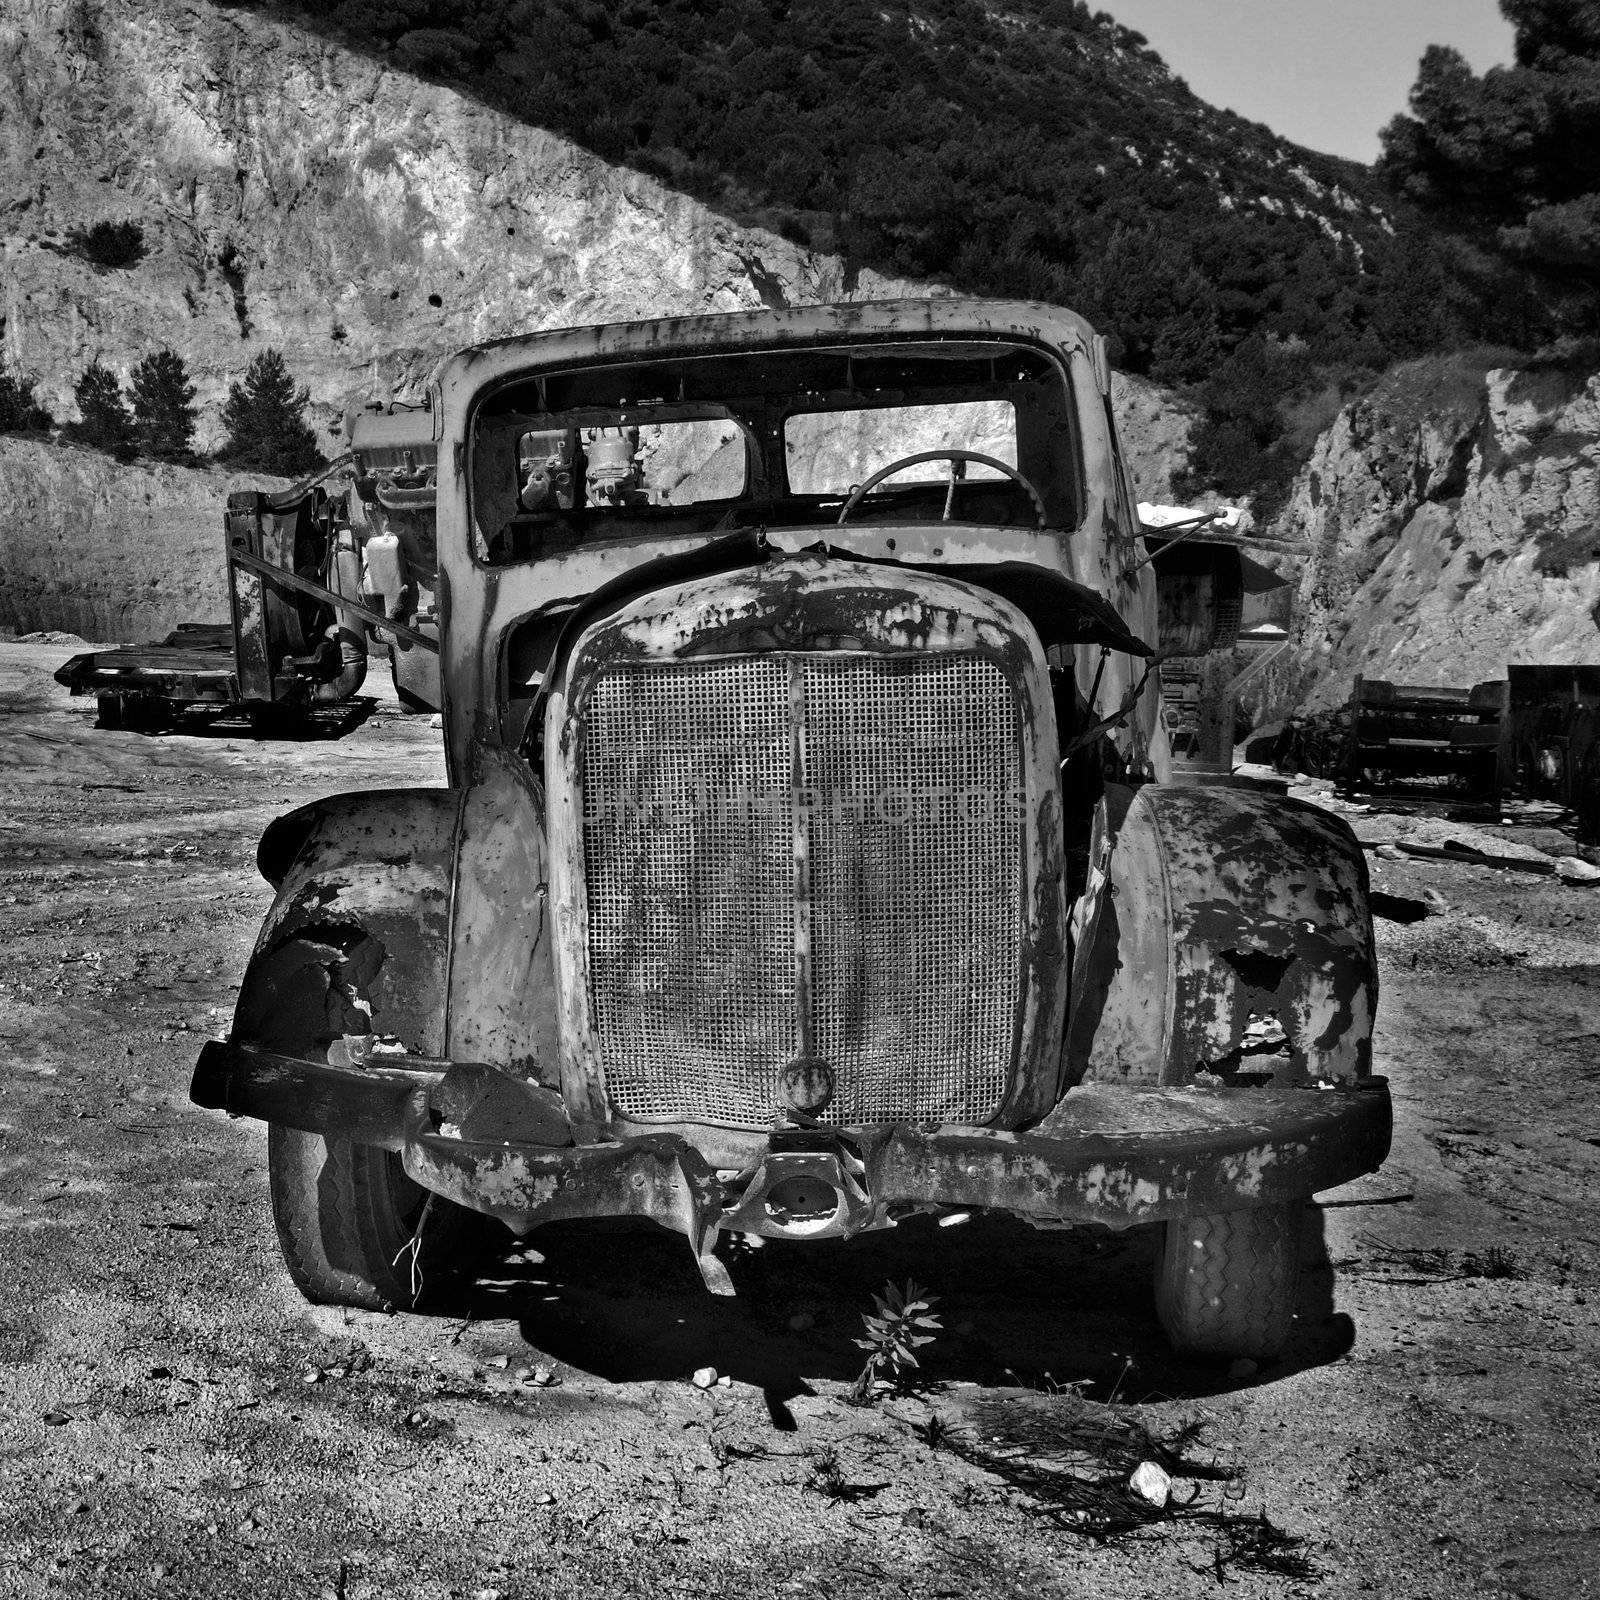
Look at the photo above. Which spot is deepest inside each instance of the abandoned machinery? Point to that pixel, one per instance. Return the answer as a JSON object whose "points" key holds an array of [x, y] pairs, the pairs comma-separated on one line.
{"points": [[812, 854]]}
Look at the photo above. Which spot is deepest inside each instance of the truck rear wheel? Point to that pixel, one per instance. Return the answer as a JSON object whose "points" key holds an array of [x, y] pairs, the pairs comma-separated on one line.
{"points": [[1225, 1284], [355, 1230]]}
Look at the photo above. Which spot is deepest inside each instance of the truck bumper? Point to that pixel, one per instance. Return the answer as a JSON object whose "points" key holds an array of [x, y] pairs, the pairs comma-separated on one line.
{"points": [[1107, 1154]]}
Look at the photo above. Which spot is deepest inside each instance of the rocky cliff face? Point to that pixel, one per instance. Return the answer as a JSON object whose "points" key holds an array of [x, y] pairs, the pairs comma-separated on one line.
{"points": [[1452, 526], [297, 195], [108, 551]]}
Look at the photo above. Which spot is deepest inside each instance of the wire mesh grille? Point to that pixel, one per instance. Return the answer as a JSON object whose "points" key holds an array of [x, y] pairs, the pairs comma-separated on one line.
{"points": [[916, 865], [911, 766]]}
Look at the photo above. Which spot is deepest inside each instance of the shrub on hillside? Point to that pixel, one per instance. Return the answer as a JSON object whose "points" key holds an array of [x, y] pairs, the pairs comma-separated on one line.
{"points": [[265, 421], [108, 244], [163, 407], [105, 422], [1241, 445], [20, 411]]}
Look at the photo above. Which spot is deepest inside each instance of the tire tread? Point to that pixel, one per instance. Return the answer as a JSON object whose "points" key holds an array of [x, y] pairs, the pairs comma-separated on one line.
{"points": [[1226, 1283]]}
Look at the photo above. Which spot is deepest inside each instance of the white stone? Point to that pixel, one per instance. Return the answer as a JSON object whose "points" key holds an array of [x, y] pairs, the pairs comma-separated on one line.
{"points": [[1152, 1483]]}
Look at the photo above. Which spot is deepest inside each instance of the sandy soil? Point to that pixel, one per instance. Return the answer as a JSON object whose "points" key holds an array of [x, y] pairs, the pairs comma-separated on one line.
{"points": [[174, 1420]]}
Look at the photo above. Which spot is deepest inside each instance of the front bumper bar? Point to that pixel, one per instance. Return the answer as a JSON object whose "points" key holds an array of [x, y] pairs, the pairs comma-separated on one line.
{"points": [[1107, 1154]]}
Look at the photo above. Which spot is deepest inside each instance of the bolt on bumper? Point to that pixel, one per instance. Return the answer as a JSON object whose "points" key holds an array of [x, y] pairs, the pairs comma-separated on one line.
{"points": [[1107, 1154]]}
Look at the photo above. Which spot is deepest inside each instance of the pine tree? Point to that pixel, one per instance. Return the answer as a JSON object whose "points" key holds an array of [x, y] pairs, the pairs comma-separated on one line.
{"points": [[20, 411], [1510, 156], [106, 424], [163, 407], [265, 421]]}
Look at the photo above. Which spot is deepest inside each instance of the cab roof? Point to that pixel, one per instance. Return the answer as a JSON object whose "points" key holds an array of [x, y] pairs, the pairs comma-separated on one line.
{"points": [[951, 319]]}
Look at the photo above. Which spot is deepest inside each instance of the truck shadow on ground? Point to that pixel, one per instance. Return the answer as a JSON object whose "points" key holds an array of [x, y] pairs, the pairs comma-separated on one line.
{"points": [[1041, 1310]]}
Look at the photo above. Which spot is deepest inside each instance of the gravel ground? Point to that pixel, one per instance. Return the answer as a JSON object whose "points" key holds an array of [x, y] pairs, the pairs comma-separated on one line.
{"points": [[174, 1420]]}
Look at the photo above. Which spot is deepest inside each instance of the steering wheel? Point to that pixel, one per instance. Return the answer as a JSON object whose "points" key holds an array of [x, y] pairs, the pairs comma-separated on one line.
{"points": [[952, 456]]}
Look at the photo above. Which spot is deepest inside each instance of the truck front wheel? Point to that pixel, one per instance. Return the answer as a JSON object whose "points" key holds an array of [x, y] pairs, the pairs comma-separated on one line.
{"points": [[1225, 1284], [355, 1230]]}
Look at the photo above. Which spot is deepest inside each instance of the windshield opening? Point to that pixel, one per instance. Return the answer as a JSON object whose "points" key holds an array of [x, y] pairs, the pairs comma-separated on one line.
{"points": [[701, 445]]}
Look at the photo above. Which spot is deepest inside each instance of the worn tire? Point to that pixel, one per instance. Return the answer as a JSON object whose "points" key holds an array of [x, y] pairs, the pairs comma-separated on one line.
{"points": [[1225, 1284], [347, 1216]]}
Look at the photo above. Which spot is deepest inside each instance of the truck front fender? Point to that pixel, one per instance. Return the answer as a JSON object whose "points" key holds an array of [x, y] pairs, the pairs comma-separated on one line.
{"points": [[416, 915], [357, 940], [1205, 907]]}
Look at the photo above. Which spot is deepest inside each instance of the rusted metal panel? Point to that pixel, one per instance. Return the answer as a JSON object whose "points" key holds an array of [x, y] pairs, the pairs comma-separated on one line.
{"points": [[1119, 1021], [164, 674], [1262, 902], [1401, 735], [367, 1105], [1550, 739], [502, 975], [378, 866], [1108, 1154], [1143, 1156], [247, 598]]}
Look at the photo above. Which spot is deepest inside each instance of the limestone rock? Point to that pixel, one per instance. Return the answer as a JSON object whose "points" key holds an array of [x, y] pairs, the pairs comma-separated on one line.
{"points": [[110, 551], [1451, 524]]}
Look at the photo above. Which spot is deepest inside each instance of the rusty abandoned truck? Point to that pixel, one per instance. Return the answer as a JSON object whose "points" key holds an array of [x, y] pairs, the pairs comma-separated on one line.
{"points": [[809, 858], [318, 575]]}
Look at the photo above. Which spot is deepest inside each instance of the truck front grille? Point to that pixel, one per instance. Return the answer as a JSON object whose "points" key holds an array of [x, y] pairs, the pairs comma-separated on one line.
{"points": [[895, 781]]}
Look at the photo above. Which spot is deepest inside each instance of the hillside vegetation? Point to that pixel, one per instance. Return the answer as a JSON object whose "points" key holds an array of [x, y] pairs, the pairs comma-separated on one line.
{"points": [[1511, 159], [1041, 150]]}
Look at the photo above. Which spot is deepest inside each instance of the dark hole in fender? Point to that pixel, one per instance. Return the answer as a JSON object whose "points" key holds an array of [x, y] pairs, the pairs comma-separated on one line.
{"points": [[1260, 972]]}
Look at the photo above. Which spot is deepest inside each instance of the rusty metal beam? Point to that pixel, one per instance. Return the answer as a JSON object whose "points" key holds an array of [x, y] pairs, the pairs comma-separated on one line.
{"points": [[366, 1105], [292, 580]]}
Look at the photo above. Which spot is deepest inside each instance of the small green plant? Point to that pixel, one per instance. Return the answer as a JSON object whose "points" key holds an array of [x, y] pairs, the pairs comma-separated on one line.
{"points": [[904, 1320]]}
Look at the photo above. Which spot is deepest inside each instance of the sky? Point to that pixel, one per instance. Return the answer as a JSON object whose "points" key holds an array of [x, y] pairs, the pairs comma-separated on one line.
{"points": [[1325, 73]]}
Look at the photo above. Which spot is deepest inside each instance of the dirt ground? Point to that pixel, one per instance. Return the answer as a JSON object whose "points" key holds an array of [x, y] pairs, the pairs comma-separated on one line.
{"points": [[174, 1420]]}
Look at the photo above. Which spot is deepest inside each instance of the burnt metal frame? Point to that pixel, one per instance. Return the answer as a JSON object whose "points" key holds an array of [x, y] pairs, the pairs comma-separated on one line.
{"points": [[480, 602]]}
